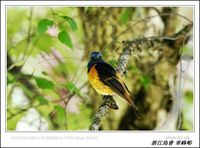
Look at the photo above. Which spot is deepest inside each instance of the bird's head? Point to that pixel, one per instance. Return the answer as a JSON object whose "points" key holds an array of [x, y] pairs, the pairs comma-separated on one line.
{"points": [[95, 57]]}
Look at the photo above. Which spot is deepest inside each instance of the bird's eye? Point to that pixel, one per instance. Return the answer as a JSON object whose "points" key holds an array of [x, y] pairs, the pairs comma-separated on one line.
{"points": [[96, 56]]}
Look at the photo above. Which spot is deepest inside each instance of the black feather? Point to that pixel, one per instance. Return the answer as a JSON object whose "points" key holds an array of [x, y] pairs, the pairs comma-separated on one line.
{"points": [[107, 75]]}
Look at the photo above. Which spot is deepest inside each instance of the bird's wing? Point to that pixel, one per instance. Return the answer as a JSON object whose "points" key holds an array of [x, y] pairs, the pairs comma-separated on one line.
{"points": [[109, 77]]}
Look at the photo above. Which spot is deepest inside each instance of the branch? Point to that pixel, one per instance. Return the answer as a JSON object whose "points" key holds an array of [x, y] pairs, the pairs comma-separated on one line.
{"points": [[143, 20], [129, 47], [109, 103], [22, 110]]}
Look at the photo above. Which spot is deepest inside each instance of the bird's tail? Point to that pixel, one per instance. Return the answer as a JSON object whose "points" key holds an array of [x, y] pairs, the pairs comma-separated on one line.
{"points": [[129, 99]]}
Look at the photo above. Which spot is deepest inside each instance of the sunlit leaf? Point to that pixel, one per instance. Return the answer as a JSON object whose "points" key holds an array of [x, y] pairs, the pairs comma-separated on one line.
{"points": [[126, 15], [72, 88], [64, 37], [12, 122], [60, 114], [14, 24], [44, 83], [71, 22], [45, 73], [145, 80], [113, 62], [187, 110], [17, 50], [134, 69], [44, 24], [44, 42], [10, 78], [189, 96], [42, 100], [186, 50]]}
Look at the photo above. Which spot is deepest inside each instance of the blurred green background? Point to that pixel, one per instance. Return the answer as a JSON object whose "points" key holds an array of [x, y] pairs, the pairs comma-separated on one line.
{"points": [[48, 50]]}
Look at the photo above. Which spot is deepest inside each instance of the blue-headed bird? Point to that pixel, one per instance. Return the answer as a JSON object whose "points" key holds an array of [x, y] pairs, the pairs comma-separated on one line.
{"points": [[107, 81]]}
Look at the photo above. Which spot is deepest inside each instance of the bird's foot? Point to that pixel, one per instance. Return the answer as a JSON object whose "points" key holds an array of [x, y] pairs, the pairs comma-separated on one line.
{"points": [[108, 100]]}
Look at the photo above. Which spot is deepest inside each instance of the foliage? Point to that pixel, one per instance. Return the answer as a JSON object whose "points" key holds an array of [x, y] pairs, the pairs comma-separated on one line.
{"points": [[65, 39], [71, 22], [44, 83], [44, 24]]}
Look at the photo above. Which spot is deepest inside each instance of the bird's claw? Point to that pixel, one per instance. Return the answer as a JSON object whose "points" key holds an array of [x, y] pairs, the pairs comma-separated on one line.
{"points": [[108, 100]]}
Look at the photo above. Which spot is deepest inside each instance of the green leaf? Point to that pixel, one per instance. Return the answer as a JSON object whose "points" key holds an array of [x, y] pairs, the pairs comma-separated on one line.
{"points": [[125, 16], [43, 25], [72, 88], [44, 42], [187, 111], [63, 36], [15, 21], [186, 50], [145, 80], [189, 96], [45, 73], [10, 78], [113, 62], [42, 100], [12, 123], [134, 69], [71, 22], [60, 114], [44, 83]]}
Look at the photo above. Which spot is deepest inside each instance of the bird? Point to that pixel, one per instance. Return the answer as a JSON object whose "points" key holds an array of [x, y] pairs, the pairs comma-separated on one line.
{"points": [[107, 81]]}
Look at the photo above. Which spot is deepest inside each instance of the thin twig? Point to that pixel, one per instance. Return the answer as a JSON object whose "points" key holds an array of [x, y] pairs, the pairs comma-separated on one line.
{"points": [[23, 110], [65, 122], [28, 34], [23, 40], [143, 20]]}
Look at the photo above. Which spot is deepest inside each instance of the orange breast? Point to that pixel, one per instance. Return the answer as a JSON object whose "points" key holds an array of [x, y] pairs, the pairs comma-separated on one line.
{"points": [[100, 87]]}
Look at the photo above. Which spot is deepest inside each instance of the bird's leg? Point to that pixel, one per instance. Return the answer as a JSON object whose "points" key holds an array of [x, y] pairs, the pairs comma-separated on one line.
{"points": [[109, 100]]}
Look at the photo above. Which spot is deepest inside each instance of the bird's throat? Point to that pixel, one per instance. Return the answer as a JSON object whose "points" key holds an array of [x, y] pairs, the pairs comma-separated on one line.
{"points": [[93, 62]]}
